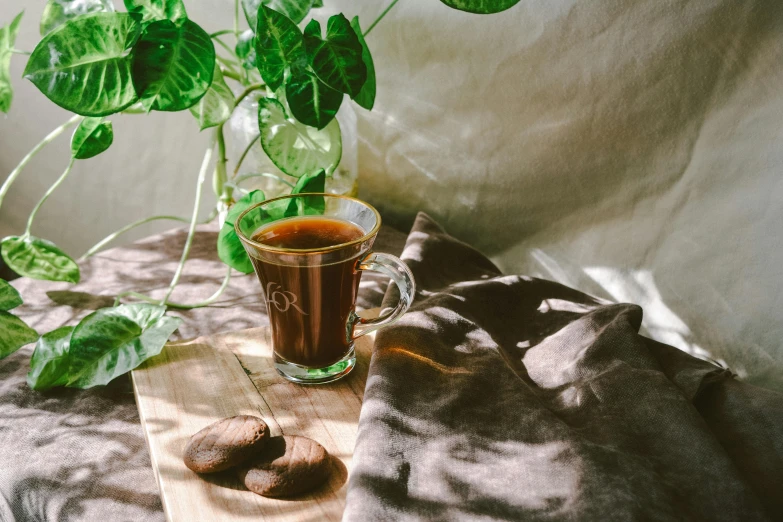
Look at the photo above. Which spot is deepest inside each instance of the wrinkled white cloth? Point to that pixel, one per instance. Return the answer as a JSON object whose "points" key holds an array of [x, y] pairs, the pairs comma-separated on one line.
{"points": [[627, 148], [630, 149]]}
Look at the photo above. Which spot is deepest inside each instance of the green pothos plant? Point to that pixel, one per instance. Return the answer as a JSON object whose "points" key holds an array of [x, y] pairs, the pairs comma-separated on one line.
{"points": [[97, 62]]}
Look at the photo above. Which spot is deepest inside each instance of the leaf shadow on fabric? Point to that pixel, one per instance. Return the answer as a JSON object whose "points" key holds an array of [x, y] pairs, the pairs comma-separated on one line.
{"points": [[511, 397], [80, 300], [78, 453]]}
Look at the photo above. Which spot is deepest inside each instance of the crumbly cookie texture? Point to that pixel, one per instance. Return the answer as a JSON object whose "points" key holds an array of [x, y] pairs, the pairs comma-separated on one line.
{"points": [[226, 443], [286, 466]]}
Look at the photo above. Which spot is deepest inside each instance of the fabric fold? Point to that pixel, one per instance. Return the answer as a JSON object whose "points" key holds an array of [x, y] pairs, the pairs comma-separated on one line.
{"points": [[500, 397]]}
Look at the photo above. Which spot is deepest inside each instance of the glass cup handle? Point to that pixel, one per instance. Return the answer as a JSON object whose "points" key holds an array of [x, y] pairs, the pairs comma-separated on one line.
{"points": [[393, 267]]}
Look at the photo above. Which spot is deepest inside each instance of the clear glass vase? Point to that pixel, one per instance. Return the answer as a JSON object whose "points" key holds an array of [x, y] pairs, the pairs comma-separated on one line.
{"points": [[243, 127]]}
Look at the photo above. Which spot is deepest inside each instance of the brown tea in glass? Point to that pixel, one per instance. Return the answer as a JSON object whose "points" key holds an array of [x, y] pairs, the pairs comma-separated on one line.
{"points": [[309, 306], [309, 251]]}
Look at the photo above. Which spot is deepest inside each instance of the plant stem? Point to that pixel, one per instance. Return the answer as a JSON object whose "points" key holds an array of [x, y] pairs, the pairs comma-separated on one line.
{"points": [[208, 301], [248, 90], [223, 45], [231, 74], [114, 235], [193, 220], [220, 176], [17, 51], [135, 110], [372, 25], [236, 19], [51, 136], [262, 175], [231, 64], [111, 237], [229, 70], [221, 33], [235, 187], [47, 194], [212, 214], [211, 299], [253, 76], [244, 153]]}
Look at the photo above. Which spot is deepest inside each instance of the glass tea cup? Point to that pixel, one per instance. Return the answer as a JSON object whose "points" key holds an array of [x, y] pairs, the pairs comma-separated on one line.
{"points": [[311, 292]]}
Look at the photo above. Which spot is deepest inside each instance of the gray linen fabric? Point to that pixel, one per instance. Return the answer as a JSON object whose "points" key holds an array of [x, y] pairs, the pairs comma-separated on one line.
{"points": [[68, 455], [513, 398]]}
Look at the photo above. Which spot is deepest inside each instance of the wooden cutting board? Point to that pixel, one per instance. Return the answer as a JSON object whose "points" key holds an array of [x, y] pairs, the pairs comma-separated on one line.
{"points": [[194, 383]]}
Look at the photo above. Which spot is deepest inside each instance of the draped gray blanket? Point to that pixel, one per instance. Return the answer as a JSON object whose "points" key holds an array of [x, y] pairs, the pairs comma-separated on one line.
{"points": [[513, 398]]}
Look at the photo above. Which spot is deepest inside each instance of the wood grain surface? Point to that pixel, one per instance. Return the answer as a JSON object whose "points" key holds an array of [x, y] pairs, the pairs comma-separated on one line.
{"points": [[194, 383]]}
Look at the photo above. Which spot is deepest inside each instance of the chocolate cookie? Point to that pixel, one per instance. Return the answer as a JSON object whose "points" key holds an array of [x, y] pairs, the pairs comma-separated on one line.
{"points": [[286, 466], [225, 443]]}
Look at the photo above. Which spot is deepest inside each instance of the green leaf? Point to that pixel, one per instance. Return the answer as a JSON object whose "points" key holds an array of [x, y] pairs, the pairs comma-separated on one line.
{"points": [[317, 4], [91, 137], [481, 6], [143, 314], [293, 147], [173, 65], [296, 10], [7, 41], [246, 49], [250, 7], [15, 334], [231, 251], [152, 10], [312, 205], [9, 296], [279, 44], [37, 258], [337, 60], [229, 246], [247, 201], [113, 341], [217, 105], [49, 363], [245, 43], [83, 66], [57, 12], [311, 101], [315, 183], [366, 96]]}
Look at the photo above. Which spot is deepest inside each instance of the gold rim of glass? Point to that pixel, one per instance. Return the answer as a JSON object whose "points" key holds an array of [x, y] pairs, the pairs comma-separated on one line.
{"points": [[270, 248]]}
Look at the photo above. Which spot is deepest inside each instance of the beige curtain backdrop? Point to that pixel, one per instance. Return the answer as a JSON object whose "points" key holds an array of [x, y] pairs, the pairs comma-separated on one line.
{"points": [[631, 149]]}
